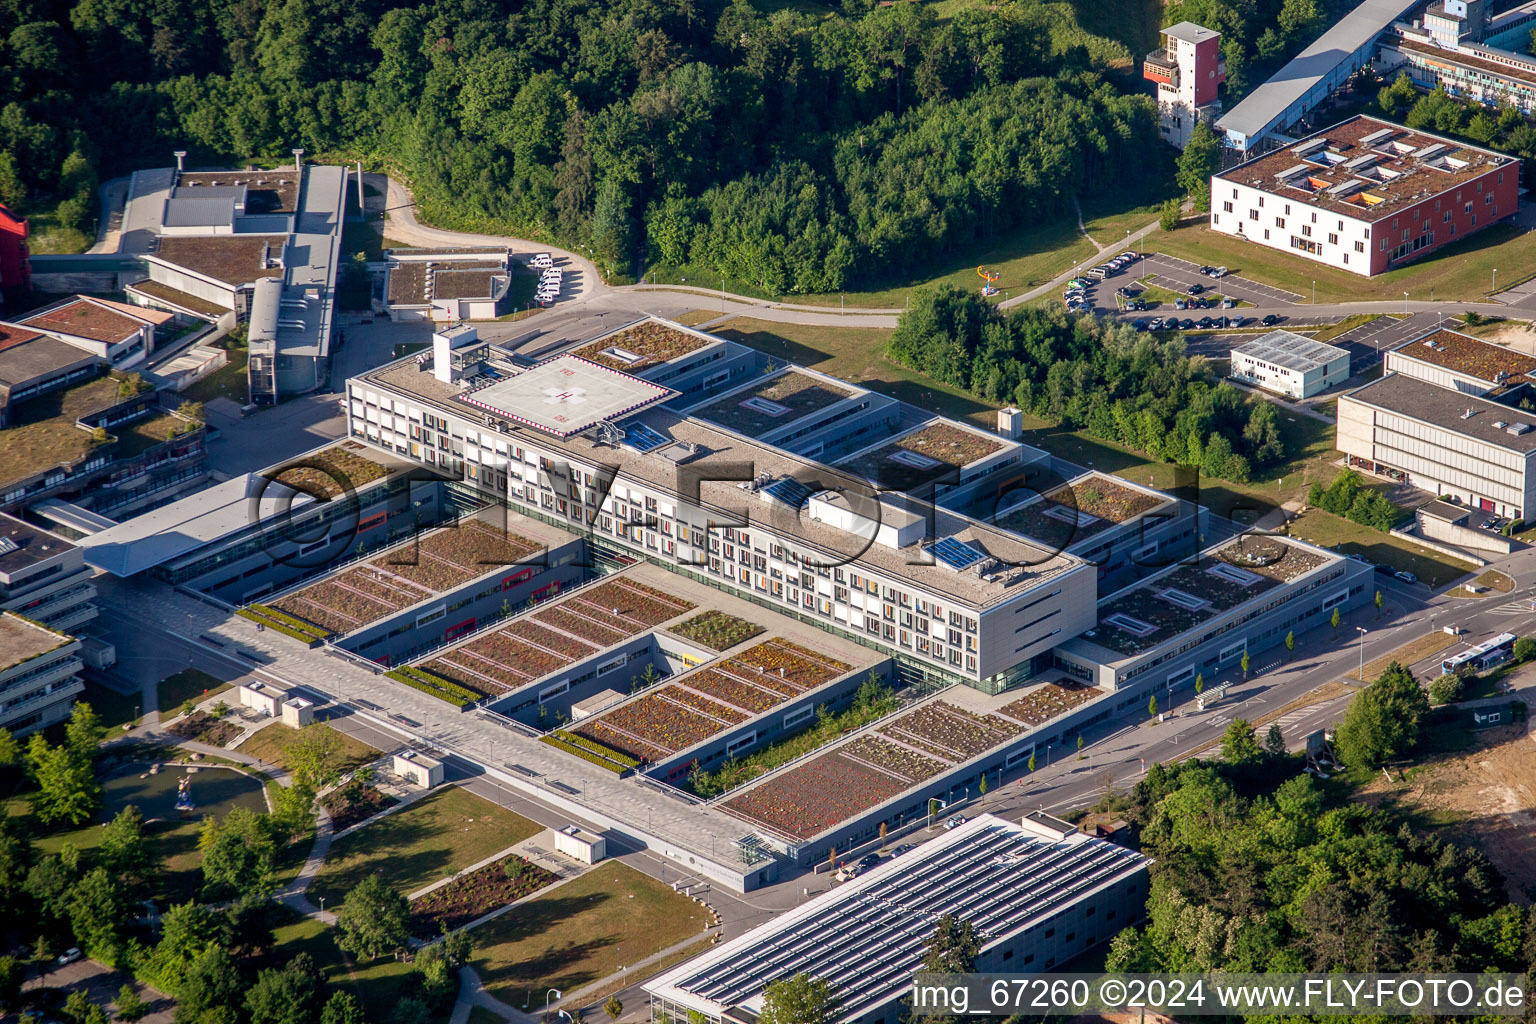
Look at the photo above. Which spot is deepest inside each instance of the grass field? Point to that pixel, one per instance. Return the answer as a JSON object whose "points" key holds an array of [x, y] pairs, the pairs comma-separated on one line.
{"points": [[270, 744], [113, 708], [582, 932], [1407, 655], [1344, 326], [1022, 260], [431, 839], [1330, 531], [188, 684], [228, 381], [1460, 271]]}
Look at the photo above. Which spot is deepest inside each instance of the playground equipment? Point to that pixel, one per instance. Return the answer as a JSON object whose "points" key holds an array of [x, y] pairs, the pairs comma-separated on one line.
{"points": [[184, 794], [988, 276]]}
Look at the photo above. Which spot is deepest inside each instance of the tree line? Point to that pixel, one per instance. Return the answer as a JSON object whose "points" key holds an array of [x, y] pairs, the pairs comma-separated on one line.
{"points": [[1136, 389], [796, 150]]}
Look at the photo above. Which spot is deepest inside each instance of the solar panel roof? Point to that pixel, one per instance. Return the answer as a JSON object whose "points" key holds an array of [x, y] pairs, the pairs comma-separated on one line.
{"points": [[867, 937]]}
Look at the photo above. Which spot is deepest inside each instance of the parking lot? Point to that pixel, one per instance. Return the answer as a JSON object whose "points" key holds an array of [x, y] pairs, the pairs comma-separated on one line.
{"points": [[1366, 343], [1178, 275]]}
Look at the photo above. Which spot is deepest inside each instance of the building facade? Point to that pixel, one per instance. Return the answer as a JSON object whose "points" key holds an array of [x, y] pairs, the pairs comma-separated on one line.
{"points": [[1289, 364], [15, 256], [1188, 72], [1365, 196], [1446, 417], [39, 674], [44, 577]]}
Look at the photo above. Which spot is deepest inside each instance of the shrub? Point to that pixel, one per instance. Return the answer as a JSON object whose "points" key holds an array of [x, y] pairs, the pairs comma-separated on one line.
{"points": [[1447, 689], [442, 689], [610, 760]]}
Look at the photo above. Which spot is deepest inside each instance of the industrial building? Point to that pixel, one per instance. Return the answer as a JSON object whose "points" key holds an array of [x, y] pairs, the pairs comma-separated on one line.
{"points": [[1290, 364], [1365, 195], [1037, 892], [448, 285], [1446, 417], [1188, 70]]}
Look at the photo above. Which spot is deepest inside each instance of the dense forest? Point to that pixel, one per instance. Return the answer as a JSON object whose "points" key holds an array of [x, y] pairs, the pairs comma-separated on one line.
{"points": [[1139, 390], [802, 149], [1262, 868]]}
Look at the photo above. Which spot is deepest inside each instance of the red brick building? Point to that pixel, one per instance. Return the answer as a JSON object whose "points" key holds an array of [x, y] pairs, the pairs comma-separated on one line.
{"points": [[15, 257]]}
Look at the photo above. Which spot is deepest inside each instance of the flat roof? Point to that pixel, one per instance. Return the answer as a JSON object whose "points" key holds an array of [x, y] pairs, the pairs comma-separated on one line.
{"points": [[274, 191], [14, 334], [38, 356], [907, 461], [699, 444], [176, 297], [1292, 351], [23, 545], [1462, 353], [86, 318], [866, 937], [469, 281], [43, 432], [201, 212], [774, 401], [1081, 508], [1403, 395], [1189, 32], [1259, 109], [1366, 169], [566, 395], [1154, 611], [21, 639], [644, 344], [230, 259]]}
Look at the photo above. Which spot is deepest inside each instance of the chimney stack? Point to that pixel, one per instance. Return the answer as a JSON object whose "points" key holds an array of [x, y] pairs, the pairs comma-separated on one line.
{"points": [[297, 161]]}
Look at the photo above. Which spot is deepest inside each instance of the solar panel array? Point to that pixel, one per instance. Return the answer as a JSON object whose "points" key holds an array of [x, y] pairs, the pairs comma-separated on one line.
{"points": [[956, 554], [872, 941], [790, 491], [642, 438]]}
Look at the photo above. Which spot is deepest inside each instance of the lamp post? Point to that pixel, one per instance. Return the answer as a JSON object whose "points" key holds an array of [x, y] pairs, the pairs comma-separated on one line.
{"points": [[1405, 303], [1314, 291], [1495, 280], [552, 992], [1362, 652]]}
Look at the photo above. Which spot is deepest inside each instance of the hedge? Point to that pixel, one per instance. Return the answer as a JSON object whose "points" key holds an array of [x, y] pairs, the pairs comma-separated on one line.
{"points": [[453, 693], [268, 615], [598, 748], [585, 754]]}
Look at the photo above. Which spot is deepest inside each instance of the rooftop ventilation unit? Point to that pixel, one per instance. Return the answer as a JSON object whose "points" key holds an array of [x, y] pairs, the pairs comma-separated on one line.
{"points": [[1378, 136], [1310, 147], [1467, 415], [7, 545], [1517, 428]]}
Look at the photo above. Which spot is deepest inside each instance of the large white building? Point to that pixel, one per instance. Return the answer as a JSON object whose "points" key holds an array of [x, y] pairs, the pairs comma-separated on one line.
{"points": [[585, 442], [1445, 417], [39, 674], [1037, 893]]}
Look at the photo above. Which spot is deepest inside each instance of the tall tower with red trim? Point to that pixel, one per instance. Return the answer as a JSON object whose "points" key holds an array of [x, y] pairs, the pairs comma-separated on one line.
{"points": [[1188, 70]]}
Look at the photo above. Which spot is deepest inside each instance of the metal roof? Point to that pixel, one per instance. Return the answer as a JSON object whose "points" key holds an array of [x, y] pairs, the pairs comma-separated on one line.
{"points": [[1259, 109], [1291, 351], [867, 937], [1189, 32]]}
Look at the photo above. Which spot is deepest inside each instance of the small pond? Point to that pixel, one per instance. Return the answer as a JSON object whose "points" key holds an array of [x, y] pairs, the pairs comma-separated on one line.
{"points": [[214, 791]]}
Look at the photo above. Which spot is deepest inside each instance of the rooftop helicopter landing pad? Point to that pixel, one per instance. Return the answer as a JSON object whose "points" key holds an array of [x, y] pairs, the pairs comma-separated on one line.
{"points": [[566, 395]]}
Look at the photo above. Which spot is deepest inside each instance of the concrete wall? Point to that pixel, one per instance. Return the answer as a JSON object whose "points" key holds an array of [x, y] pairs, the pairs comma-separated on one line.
{"points": [[1465, 536]]}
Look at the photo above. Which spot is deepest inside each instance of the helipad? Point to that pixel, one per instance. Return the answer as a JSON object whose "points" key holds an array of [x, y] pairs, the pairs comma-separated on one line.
{"points": [[566, 395]]}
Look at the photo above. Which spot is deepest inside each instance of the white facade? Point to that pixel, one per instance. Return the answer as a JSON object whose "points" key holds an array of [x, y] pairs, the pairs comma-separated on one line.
{"points": [[1290, 225], [579, 844], [1289, 364], [419, 769]]}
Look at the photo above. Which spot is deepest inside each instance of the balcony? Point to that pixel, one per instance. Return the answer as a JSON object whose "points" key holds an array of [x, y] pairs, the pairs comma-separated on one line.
{"points": [[1158, 67]]}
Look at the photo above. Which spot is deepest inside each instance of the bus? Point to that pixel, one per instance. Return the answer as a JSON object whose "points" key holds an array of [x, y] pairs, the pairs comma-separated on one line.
{"points": [[1485, 655]]}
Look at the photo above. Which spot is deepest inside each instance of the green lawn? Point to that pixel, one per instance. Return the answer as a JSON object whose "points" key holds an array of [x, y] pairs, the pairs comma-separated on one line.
{"points": [[1460, 271], [1330, 531], [581, 932], [270, 743], [429, 840], [480, 1015], [113, 708], [188, 684], [1022, 259]]}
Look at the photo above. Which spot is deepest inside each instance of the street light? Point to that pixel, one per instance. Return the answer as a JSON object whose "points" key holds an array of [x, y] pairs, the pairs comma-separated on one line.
{"points": [[1405, 303], [1495, 280], [552, 992], [1362, 652]]}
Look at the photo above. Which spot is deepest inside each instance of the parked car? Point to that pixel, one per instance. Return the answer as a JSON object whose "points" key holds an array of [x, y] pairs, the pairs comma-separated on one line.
{"points": [[849, 871], [1270, 320], [1359, 558], [1385, 570], [1206, 270], [954, 822], [1130, 256], [70, 955], [1205, 321], [1186, 324], [1406, 577], [869, 860], [1228, 302], [1196, 288], [1180, 303], [1220, 321], [903, 848], [1238, 321], [1139, 325], [1220, 272]]}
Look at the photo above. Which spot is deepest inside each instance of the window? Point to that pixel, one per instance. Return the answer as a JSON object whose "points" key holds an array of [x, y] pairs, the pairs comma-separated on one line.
{"points": [[1359, 247], [1465, 208], [1279, 222], [1253, 214], [1226, 207], [1333, 239]]}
